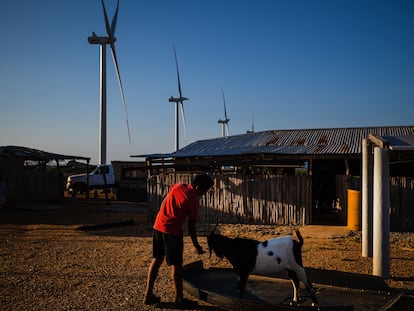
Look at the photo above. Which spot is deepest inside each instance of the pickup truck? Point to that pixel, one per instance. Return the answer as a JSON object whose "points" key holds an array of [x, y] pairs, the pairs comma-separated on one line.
{"points": [[77, 183]]}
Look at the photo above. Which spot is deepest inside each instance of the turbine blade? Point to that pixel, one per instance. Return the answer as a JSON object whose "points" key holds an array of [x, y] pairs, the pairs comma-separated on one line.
{"points": [[178, 73], [120, 87], [108, 28], [228, 131], [114, 19], [184, 124], [224, 101]]}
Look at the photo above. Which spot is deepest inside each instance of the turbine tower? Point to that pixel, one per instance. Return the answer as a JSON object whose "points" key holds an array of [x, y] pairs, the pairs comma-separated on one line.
{"points": [[224, 123], [178, 102], [103, 42], [252, 130]]}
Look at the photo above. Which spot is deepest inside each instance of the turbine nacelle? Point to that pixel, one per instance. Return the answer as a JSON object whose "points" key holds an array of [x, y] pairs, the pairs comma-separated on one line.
{"points": [[94, 39], [225, 121], [177, 100]]}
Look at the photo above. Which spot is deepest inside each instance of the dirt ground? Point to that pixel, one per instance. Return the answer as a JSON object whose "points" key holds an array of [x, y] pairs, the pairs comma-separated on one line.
{"points": [[48, 263]]}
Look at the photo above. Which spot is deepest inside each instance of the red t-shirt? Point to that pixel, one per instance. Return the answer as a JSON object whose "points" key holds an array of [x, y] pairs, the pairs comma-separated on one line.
{"points": [[180, 202]]}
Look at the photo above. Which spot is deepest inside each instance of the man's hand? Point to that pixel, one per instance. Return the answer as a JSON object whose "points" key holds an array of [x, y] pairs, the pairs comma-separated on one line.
{"points": [[193, 235]]}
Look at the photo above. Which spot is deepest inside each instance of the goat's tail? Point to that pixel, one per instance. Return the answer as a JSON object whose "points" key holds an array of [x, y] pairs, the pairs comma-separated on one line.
{"points": [[298, 236]]}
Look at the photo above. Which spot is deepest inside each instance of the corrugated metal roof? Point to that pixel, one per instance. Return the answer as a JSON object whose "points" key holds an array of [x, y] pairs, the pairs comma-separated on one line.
{"points": [[400, 142], [34, 154], [329, 141]]}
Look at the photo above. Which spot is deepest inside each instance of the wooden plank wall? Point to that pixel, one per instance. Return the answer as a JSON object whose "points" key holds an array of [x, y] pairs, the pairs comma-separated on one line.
{"points": [[252, 199], [268, 199], [402, 203]]}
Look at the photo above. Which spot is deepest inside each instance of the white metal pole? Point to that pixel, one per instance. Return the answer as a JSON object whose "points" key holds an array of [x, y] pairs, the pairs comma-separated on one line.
{"points": [[102, 133], [381, 247], [367, 163], [177, 132]]}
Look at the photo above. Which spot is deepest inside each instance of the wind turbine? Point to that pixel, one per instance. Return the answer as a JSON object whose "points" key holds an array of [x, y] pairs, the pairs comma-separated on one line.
{"points": [[252, 130], [103, 42], [224, 123], [178, 102]]}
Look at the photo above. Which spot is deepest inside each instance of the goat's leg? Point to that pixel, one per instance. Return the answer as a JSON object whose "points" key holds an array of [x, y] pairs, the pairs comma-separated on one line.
{"points": [[302, 276], [241, 284], [295, 283]]}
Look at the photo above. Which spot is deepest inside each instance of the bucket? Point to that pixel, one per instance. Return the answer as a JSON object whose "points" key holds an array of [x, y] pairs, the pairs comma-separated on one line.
{"points": [[354, 210]]}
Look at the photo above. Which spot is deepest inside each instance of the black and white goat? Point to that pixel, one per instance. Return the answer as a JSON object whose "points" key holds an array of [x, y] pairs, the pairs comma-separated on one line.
{"points": [[266, 258]]}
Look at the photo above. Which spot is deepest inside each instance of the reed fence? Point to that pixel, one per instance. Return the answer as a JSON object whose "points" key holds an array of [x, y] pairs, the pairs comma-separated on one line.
{"points": [[253, 199]]}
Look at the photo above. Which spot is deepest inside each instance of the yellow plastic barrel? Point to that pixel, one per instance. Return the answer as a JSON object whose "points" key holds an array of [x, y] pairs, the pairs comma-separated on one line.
{"points": [[354, 210]]}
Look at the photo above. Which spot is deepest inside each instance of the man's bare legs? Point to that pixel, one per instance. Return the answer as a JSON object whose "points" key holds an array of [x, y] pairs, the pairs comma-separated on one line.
{"points": [[149, 297], [177, 276]]}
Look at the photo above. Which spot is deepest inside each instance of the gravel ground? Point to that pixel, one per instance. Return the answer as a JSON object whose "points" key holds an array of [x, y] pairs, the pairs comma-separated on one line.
{"points": [[48, 264]]}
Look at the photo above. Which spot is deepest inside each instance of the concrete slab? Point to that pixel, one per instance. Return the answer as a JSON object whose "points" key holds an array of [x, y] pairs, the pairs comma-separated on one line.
{"points": [[218, 286]]}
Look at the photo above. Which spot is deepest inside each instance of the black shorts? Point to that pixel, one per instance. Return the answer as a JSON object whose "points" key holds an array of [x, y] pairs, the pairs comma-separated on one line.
{"points": [[168, 245]]}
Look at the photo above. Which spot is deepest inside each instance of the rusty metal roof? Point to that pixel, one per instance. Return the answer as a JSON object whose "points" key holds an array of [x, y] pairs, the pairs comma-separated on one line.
{"points": [[328, 141]]}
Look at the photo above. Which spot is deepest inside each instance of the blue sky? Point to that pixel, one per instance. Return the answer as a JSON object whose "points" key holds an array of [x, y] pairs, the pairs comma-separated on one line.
{"points": [[293, 64]]}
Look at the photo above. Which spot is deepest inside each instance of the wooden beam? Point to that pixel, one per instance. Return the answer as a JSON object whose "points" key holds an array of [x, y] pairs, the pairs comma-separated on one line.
{"points": [[378, 140]]}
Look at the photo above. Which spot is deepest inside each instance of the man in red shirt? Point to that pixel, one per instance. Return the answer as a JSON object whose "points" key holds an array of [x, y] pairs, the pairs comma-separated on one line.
{"points": [[182, 201]]}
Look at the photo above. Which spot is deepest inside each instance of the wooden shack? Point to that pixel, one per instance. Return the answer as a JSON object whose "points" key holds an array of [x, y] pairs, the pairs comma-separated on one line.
{"points": [[29, 177], [279, 177]]}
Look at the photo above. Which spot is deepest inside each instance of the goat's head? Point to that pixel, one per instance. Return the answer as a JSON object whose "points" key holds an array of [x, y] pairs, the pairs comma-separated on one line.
{"points": [[213, 242]]}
